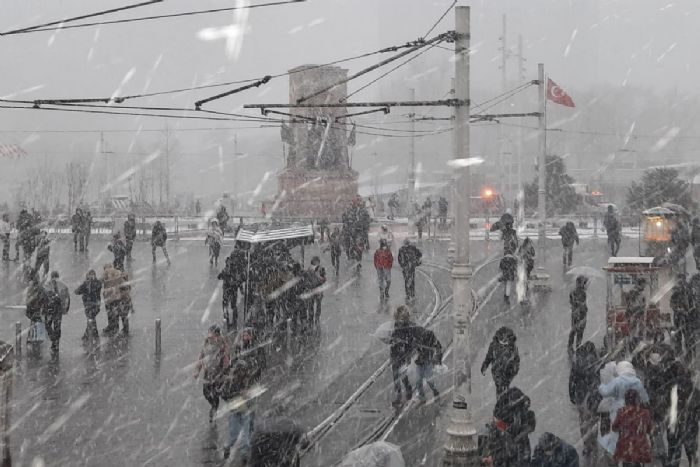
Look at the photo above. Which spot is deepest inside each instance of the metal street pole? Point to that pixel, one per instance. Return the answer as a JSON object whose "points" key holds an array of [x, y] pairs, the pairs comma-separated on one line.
{"points": [[542, 278], [412, 171], [519, 148], [461, 446], [502, 166]]}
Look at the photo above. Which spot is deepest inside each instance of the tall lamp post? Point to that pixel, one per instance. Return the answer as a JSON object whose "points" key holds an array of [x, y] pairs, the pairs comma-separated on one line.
{"points": [[461, 446], [541, 278]]}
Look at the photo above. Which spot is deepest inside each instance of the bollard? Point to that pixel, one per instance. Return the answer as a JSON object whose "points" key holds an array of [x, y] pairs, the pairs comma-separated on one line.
{"points": [[288, 340], [18, 339], [158, 348], [226, 325]]}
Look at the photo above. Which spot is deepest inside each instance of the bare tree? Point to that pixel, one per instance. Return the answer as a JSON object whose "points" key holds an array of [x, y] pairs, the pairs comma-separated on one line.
{"points": [[76, 181]]}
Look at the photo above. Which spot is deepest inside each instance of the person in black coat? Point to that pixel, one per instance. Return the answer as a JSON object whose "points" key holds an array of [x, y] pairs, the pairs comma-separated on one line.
{"points": [[233, 276], [129, 234], [504, 359], [429, 354], [158, 238], [512, 411], [402, 347], [684, 432], [584, 380], [409, 259], [579, 312], [118, 249], [552, 451], [568, 237], [685, 320], [91, 292]]}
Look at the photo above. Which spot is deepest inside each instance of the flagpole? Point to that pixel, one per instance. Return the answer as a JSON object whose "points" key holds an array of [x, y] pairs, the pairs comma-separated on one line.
{"points": [[541, 280]]}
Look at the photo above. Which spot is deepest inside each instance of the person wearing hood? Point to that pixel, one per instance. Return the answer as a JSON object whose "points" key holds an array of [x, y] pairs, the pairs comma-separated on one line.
{"points": [[129, 234], [526, 252], [568, 237], [626, 379], [118, 249], [248, 350], [504, 359], [383, 262], [402, 346], [552, 451], [409, 259], [386, 235], [612, 227], [214, 360], [579, 312], [112, 281], [584, 380], [234, 390], [214, 239], [158, 238], [513, 415], [335, 246], [685, 321], [633, 423], [90, 291], [429, 352]]}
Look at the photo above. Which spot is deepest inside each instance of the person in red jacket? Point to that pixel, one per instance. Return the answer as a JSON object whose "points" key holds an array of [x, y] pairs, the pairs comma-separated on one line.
{"points": [[383, 261], [633, 423]]}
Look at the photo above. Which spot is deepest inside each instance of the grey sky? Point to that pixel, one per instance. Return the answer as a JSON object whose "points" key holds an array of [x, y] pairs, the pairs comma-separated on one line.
{"points": [[642, 43]]}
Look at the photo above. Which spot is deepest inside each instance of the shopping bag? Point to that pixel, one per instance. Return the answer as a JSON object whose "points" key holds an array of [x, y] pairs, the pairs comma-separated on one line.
{"points": [[37, 333]]}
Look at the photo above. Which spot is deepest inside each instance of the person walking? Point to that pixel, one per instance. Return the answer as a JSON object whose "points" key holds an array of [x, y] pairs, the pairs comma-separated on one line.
{"points": [[613, 229], [335, 246], [214, 361], [393, 206], [568, 237], [683, 434], [526, 253], [235, 386], [429, 352], [57, 305], [5, 230], [214, 239], [402, 347], [409, 259], [315, 278], [43, 251], [112, 280], [685, 320], [552, 451], [504, 359], [222, 217], [118, 249], [129, 234], [633, 423], [584, 380], [87, 227], [158, 238], [512, 411], [508, 266], [386, 235], [233, 276], [78, 226], [695, 242], [579, 312], [383, 262], [90, 291], [35, 300]]}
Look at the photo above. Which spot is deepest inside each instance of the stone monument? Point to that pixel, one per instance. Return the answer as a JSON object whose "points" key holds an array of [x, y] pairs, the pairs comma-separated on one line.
{"points": [[317, 180]]}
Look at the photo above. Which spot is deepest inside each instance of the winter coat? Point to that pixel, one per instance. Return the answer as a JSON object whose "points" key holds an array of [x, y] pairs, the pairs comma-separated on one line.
{"points": [[387, 236], [409, 257], [159, 235], [90, 290], [625, 379], [215, 236], [695, 239], [660, 380], [510, 240], [612, 225], [502, 356], [252, 354], [44, 248], [501, 446], [403, 342], [77, 223], [584, 377], [577, 300], [61, 290], [442, 206], [87, 223], [118, 249], [383, 259], [552, 451], [214, 359], [130, 229], [112, 280], [527, 255], [568, 234], [513, 409], [508, 267], [35, 301], [428, 348], [633, 423]]}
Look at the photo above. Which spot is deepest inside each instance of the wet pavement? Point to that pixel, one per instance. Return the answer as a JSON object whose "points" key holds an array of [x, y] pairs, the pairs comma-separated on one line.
{"points": [[120, 405]]}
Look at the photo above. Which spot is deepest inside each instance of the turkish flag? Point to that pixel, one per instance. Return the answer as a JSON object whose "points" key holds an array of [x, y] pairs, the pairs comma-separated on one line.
{"points": [[558, 95]]}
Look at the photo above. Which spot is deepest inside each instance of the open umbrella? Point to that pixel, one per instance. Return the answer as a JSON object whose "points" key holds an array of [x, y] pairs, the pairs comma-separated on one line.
{"points": [[585, 271], [378, 454]]}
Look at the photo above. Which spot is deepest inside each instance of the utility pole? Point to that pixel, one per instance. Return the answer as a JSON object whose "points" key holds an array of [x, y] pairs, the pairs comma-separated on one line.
{"points": [[234, 188], [461, 446], [519, 147], [542, 278], [167, 168], [503, 167], [412, 171]]}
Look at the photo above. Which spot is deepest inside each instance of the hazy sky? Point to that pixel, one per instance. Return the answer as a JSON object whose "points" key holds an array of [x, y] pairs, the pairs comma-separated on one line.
{"points": [[645, 43]]}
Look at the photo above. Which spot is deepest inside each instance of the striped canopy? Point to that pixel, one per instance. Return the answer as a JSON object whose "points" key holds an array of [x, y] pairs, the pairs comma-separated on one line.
{"points": [[260, 233]]}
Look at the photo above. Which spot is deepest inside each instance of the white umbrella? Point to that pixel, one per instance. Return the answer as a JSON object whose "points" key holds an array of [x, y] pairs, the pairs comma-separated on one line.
{"points": [[585, 271], [378, 454], [383, 332]]}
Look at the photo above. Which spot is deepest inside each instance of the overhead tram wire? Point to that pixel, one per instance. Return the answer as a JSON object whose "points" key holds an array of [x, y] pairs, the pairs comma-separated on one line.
{"points": [[153, 17], [77, 18], [440, 19]]}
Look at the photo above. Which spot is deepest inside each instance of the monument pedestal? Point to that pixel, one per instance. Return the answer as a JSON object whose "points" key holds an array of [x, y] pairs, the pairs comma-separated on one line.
{"points": [[312, 193]]}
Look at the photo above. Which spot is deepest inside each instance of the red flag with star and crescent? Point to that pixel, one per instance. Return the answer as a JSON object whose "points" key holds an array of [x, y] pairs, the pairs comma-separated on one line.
{"points": [[557, 95]]}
